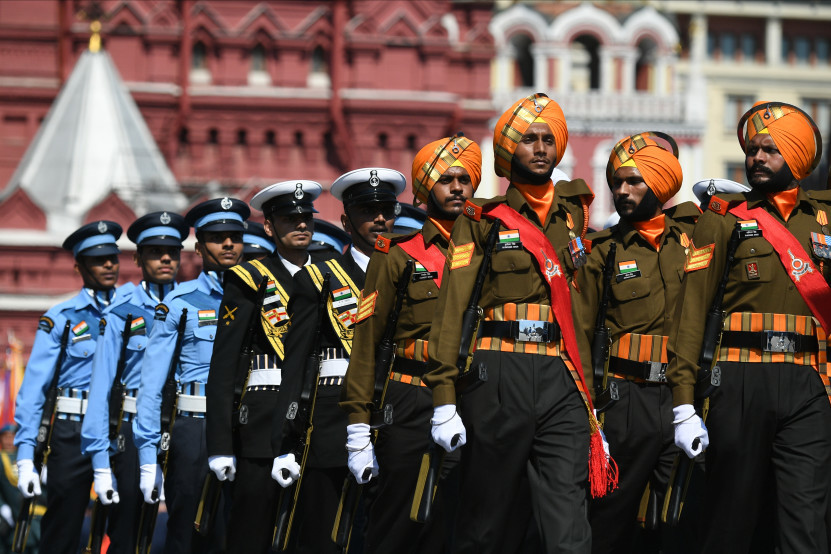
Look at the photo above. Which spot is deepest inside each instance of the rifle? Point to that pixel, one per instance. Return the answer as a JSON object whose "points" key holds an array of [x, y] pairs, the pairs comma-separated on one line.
{"points": [[47, 418], [605, 393], [170, 393], [100, 512], [468, 379], [212, 487], [381, 413], [708, 379], [297, 435]]}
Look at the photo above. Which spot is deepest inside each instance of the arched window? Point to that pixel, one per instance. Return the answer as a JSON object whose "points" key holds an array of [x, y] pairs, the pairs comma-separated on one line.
{"points": [[242, 137], [199, 72], [523, 60], [258, 58], [318, 69], [585, 64], [258, 72], [270, 138], [645, 66], [213, 136]]}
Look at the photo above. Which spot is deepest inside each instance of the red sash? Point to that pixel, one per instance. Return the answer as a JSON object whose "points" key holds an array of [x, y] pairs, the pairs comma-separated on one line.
{"points": [[805, 276], [603, 474], [431, 257]]}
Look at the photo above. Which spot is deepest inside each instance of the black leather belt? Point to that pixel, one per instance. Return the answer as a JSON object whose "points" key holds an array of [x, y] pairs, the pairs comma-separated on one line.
{"points": [[526, 330], [410, 367], [651, 372], [770, 341]]}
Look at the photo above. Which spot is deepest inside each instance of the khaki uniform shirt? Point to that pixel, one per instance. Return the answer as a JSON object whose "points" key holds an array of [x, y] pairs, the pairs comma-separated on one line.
{"points": [[414, 320], [758, 280], [641, 301], [513, 276]]}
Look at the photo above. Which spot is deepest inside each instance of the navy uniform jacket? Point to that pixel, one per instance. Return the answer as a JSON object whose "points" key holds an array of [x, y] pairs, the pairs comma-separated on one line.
{"points": [[329, 436], [239, 306], [84, 315], [201, 297], [95, 429]]}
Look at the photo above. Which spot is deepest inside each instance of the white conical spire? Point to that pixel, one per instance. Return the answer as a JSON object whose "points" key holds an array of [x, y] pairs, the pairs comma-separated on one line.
{"points": [[94, 141]]}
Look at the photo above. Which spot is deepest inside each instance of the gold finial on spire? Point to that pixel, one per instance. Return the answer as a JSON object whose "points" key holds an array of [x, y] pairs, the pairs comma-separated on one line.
{"points": [[95, 39]]}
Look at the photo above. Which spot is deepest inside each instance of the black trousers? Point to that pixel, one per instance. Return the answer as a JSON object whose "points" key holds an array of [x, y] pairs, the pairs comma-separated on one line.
{"points": [[642, 442], [399, 450], [316, 509], [527, 421], [770, 438], [122, 522], [186, 471], [67, 490], [253, 508]]}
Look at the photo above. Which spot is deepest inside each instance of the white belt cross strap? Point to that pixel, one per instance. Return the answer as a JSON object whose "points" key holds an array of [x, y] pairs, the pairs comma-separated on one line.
{"points": [[335, 367], [129, 405], [265, 378], [67, 405], [191, 403]]}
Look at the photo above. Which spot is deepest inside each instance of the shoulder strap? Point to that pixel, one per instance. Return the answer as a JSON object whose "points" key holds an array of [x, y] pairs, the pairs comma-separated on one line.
{"points": [[805, 276], [431, 257], [200, 299]]}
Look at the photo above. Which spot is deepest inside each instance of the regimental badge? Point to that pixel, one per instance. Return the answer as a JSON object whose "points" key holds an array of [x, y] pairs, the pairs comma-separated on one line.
{"points": [[627, 270], [699, 258], [298, 191], [799, 267], [752, 270], [366, 306], [46, 324], [397, 209], [226, 203], [748, 229], [509, 240], [382, 245], [473, 211], [578, 250], [102, 227], [348, 317], [459, 256], [552, 269], [229, 313], [164, 219], [821, 245], [160, 312], [276, 316], [374, 181]]}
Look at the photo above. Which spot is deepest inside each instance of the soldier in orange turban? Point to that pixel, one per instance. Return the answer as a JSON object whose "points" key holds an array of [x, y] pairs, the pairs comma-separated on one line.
{"points": [[445, 174]]}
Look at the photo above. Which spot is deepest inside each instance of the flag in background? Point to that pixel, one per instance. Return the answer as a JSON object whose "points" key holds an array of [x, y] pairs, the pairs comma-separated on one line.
{"points": [[11, 378]]}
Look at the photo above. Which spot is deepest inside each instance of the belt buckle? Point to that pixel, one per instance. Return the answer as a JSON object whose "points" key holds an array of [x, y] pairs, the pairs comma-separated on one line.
{"points": [[778, 341], [532, 330], [657, 372]]}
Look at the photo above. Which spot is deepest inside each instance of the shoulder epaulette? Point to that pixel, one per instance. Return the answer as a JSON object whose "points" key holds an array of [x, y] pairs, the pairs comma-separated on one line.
{"points": [[820, 195], [249, 272], [599, 236], [718, 205], [473, 211], [386, 240], [684, 210], [382, 244], [576, 187]]}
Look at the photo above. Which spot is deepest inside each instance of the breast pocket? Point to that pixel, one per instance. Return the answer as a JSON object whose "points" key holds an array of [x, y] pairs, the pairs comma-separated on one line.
{"points": [[204, 341], [419, 296], [755, 261], [511, 275], [136, 343], [81, 347], [629, 296]]}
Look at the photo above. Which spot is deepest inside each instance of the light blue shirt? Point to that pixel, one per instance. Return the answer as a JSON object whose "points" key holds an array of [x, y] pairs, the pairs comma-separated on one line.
{"points": [[201, 297], [83, 312], [95, 430]]}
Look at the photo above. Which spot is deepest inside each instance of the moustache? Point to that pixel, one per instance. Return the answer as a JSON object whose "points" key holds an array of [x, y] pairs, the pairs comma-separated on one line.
{"points": [[760, 168]]}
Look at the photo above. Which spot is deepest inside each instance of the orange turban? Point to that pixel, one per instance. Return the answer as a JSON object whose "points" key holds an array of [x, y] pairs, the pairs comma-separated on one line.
{"points": [[436, 158], [515, 122], [660, 169], [792, 130]]}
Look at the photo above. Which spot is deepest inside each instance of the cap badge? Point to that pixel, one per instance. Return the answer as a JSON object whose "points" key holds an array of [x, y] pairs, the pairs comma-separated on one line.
{"points": [[226, 203], [245, 225], [374, 181], [397, 209], [164, 218], [711, 188], [298, 191], [102, 227]]}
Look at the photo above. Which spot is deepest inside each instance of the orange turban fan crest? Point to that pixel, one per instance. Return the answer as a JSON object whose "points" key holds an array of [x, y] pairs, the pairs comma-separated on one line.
{"points": [[515, 122], [436, 158], [793, 132], [660, 168]]}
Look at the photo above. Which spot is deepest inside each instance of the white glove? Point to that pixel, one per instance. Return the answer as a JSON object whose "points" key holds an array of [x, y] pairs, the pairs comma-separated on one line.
{"points": [[690, 433], [225, 467], [27, 478], [6, 514], [448, 430], [105, 486], [150, 479], [285, 464], [361, 453], [43, 474]]}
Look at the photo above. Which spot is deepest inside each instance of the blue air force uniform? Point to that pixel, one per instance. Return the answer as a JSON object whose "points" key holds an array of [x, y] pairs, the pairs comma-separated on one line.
{"points": [[154, 229], [70, 475], [187, 458]]}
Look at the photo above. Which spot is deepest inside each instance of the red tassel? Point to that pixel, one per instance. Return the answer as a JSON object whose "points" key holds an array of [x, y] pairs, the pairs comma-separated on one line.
{"points": [[603, 473]]}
